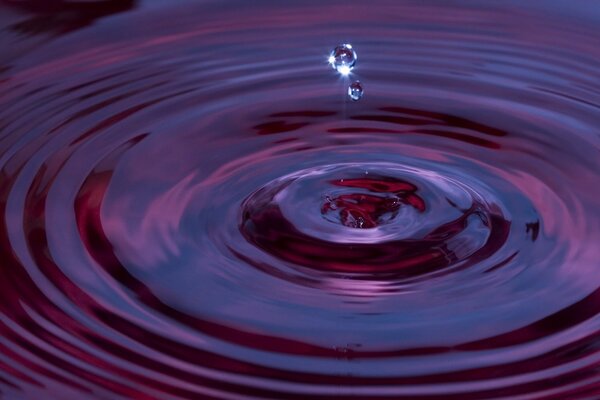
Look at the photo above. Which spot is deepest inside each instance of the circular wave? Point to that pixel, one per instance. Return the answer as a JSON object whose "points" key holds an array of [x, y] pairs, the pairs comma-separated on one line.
{"points": [[392, 232], [194, 209]]}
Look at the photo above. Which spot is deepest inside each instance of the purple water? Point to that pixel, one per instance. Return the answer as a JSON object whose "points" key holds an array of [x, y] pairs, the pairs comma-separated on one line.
{"points": [[192, 207]]}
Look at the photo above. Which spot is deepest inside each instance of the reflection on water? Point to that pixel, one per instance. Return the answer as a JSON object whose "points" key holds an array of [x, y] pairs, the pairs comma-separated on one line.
{"points": [[191, 206]]}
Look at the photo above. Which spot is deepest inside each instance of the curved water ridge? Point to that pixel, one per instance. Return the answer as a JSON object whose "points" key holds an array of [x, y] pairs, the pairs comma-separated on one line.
{"points": [[191, 207], [393, 233]]}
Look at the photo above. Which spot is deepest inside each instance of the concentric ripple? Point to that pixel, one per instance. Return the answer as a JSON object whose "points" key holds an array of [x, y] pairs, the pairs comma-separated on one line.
{"points": [[192, 208], [396, 233]]}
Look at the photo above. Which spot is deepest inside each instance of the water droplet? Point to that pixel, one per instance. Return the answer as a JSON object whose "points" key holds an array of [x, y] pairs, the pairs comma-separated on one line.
{"points": [[343, 59], [355, 91], [331, 204]]}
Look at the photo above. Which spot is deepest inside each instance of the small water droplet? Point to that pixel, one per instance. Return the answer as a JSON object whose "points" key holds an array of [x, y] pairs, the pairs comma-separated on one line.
{"points": [[331, 203], [360, 222], [355, 90], [343, 58]]}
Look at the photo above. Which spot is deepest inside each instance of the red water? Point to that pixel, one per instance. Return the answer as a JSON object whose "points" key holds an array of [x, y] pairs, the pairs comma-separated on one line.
{"points": [[191, 207]]}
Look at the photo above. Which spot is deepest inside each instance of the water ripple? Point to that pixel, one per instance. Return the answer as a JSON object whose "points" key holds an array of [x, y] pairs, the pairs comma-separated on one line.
{"points": [[191, 207]]}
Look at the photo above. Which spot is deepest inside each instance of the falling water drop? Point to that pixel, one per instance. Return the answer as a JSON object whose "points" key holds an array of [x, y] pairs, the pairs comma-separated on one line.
{"points": [[355, 90], [343, 59]]}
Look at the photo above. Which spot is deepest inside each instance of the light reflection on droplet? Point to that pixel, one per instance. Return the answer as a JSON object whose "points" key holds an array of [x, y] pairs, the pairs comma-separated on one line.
{"points": [[343, 59], [355, 90]]}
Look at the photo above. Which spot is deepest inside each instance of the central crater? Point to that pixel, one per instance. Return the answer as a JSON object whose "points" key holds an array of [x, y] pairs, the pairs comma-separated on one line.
{"points": [[369, 201], [370, 219]]}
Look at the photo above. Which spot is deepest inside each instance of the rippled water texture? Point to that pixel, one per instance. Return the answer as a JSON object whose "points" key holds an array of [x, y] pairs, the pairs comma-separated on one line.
{"points": [[192, 207]]}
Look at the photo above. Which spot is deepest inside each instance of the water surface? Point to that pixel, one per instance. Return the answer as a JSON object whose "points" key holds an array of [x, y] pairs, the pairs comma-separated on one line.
{"points": [[191, 206]]}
